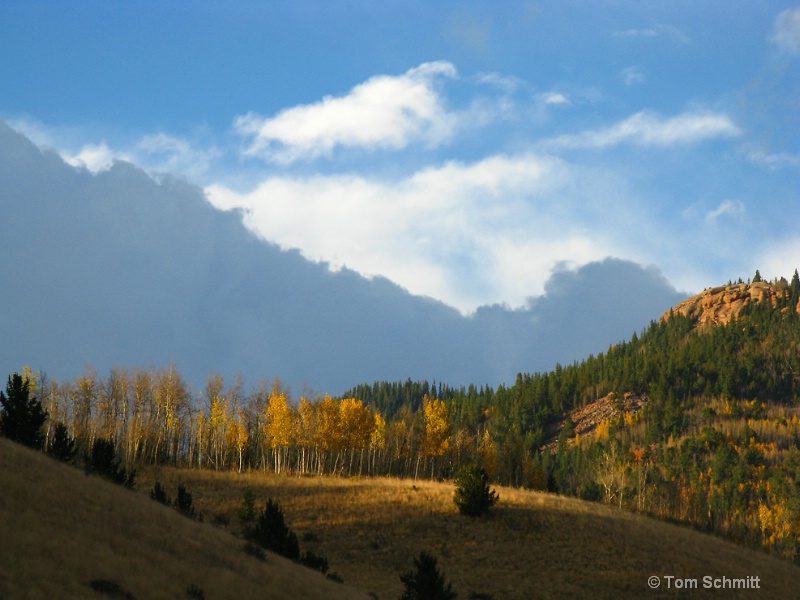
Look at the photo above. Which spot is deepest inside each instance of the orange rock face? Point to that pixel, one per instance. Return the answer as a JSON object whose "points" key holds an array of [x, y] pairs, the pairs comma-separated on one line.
{"points": [[720, 305]]}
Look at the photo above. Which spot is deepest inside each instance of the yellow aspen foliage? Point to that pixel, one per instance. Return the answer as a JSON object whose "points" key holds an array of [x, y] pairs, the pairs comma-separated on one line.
{"points": [[33, 381], [305, 423], [437, 427], [377, 438], [487, 450], [239, 435], [603, 430], [776, 524], [279, 429], [280, 421], [356, 423], [329, 430]]}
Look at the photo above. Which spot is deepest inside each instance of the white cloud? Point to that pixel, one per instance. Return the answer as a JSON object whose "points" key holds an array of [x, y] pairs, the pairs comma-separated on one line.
{"points": [[650, 130], [779, 259], [632, 75], [772, 160], [636, 33], [94, 157], [170, 154], [668, 31], [384, 112], [726, 209], [554, 98], [467, 234], [786, 34]]}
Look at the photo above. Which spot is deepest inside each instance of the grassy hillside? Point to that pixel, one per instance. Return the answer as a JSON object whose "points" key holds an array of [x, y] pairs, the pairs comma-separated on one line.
{"points": [[534, 546], [66, 535]]}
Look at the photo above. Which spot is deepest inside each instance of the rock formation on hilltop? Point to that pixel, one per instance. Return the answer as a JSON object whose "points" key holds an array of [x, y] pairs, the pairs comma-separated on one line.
{"points": [[723, 304]]}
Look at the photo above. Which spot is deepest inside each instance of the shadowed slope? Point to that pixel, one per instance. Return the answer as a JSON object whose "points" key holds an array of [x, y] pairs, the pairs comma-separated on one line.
{"points": [[61, 530]]}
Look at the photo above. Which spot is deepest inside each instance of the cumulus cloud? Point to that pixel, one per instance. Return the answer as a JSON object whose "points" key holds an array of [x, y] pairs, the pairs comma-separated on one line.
{"points": [[384, 112], [786, 33], [465, 233], [651, 130]]}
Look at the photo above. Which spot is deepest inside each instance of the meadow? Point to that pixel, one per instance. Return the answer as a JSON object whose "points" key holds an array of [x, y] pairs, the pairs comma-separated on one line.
{"points": [[534, 545]]}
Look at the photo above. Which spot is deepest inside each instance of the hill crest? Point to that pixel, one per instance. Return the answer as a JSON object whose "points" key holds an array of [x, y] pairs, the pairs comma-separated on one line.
{"points": [[723, 304]]}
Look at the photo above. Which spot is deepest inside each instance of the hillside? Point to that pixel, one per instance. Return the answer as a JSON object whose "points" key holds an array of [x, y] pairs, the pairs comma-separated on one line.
{"points": [[535, 545], [61, 531]]}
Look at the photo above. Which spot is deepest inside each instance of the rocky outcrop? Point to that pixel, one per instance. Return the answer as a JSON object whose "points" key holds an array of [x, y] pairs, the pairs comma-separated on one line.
{"points": [[586, 419], [721, 305]]}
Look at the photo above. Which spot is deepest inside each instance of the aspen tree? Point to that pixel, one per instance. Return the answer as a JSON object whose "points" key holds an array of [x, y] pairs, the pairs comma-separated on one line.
{"points": [[305, 427], [357, 423], [279, 428], [217, 420], [437, 430], [377, 440], [329, 431], [240, 435]]}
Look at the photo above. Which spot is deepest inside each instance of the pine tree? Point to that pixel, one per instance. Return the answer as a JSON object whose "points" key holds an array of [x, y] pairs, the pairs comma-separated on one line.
{"points": [[473, 497], [62, 446], [272, 533], [22, 416], [159, 494], [184, 504], [103, 461], [424, 582]]}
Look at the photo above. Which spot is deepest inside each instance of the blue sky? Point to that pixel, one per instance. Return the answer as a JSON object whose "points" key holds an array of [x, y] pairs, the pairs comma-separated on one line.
{"points": [[465, 150]]}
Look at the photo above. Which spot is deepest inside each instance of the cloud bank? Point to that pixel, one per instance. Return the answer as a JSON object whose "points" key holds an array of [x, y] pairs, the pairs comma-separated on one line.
{"points": [[133, 271]]}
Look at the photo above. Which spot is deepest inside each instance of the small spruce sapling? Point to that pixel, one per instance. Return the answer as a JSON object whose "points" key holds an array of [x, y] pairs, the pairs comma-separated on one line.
{"points": [[272, 533], [247, 511], [184, 504], [159, 494], [473, 496], [425, 582]]}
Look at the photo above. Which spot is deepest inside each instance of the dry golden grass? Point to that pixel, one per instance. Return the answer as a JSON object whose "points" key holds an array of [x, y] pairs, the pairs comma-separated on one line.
{"points": [[534, 546], [61, 530]]}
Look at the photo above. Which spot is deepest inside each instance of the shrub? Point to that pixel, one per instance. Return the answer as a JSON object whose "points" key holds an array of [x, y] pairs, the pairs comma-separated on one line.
{"points": [[424, 582], [473, 497]]}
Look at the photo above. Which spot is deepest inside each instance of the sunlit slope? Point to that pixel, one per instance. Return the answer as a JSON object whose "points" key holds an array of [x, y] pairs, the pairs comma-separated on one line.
{"points": [[535, 546], [61, 530]]}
